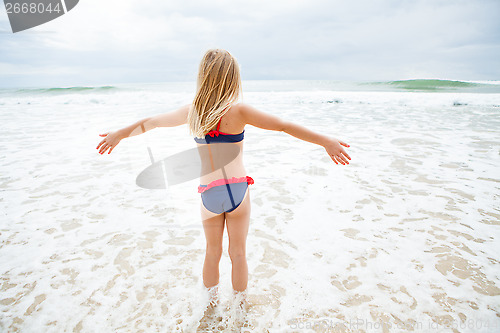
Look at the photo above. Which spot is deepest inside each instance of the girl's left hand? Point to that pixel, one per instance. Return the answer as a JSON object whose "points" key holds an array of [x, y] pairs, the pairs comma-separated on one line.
{"points": [[336, 152], [109, 142]]}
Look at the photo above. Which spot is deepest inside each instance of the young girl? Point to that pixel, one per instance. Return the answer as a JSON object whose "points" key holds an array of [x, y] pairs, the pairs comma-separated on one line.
{"points": [[218, 122]]}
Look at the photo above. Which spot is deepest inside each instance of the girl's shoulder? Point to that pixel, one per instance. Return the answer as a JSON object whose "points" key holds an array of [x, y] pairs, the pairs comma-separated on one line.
{"points": [[240, 109], [234, 118]]}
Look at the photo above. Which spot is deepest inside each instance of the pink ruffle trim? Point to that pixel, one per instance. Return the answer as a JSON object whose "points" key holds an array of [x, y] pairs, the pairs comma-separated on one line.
{"points": [[223, 181]]}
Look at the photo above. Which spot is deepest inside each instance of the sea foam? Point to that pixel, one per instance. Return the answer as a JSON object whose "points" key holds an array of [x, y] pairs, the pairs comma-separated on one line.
{"points": [[404, 237]]}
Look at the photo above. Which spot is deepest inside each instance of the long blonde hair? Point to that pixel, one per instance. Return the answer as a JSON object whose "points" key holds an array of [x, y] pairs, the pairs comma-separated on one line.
{"points": [[219, 85]]}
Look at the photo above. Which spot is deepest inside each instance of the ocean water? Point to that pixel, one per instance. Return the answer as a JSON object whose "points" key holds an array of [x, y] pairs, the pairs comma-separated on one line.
{"points": [[404, 238]]}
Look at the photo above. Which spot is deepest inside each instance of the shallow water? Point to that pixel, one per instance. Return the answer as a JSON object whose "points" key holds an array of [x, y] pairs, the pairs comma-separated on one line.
{"points": [[404, 238]]}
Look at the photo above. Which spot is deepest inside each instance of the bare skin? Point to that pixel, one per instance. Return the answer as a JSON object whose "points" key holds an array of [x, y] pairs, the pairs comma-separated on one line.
{"points": [[237, 221]]}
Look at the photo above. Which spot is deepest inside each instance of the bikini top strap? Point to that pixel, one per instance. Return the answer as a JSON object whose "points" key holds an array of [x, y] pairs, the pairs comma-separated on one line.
{"points": [[218, 125]]}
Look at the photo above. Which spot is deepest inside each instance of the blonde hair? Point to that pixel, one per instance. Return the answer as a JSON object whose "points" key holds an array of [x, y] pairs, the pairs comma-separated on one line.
{"points": [[219, 85]]}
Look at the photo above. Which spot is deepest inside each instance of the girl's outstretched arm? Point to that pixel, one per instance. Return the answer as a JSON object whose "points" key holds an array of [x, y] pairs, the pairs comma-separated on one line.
{"points": [[169, 119], [333, 146]]}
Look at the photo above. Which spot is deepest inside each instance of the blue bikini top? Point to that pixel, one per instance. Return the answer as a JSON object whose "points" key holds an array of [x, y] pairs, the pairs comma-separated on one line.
{"points": [[218, 136]]}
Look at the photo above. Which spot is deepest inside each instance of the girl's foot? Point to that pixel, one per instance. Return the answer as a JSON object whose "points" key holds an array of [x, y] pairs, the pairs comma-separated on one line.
{"points": [[241, 299], [213, 296]]}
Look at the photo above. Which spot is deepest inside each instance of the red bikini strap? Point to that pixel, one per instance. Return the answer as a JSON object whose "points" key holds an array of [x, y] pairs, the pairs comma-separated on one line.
{"points": [[218, 125]]}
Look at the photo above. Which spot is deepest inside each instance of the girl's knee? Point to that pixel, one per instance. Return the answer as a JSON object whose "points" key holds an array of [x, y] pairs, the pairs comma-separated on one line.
{"points": [[237, 254], [214, 252]]}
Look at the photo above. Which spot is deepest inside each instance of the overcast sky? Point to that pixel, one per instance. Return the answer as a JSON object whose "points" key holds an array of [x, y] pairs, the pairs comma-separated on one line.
{"points": [[123, 41]]}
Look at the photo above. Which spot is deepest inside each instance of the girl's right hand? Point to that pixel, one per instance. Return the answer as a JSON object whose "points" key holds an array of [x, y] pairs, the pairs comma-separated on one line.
{"points": [[336, 152], [110, 141]]}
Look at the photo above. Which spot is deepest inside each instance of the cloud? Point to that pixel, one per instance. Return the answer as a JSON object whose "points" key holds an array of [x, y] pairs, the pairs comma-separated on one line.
{"points": [[151, 40], [28, 70]]}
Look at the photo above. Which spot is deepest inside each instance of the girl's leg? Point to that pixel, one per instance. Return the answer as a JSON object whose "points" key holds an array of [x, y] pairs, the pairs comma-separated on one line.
{"points": [[214, 230], [237, 229]]}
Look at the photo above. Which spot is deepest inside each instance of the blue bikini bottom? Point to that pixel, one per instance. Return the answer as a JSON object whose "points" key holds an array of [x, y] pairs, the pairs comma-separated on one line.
{"points": [[224, 195]]}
